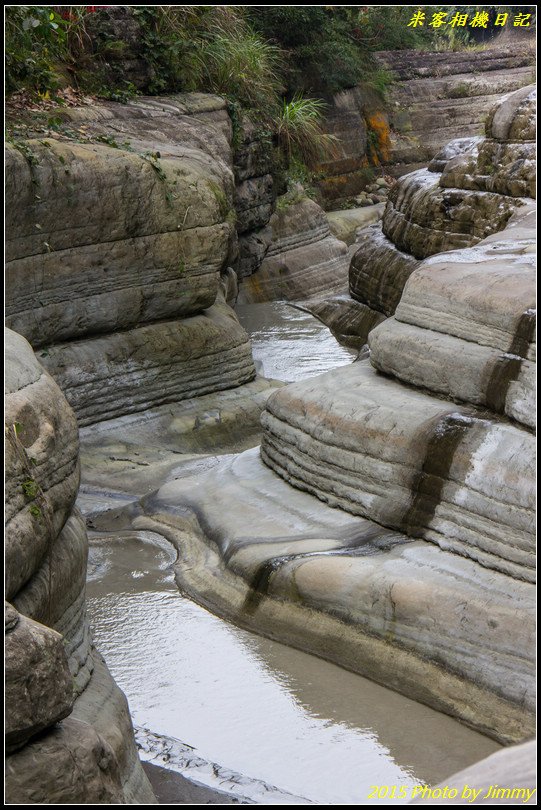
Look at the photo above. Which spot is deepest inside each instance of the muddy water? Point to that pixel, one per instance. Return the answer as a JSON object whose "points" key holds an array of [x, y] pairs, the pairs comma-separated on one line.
{"points": [[289, 344], [247, 703], [251, 704]]}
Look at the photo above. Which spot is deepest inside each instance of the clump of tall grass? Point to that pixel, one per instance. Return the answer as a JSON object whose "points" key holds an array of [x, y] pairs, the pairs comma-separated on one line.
{"points": [[238, 64], [299, 129]]}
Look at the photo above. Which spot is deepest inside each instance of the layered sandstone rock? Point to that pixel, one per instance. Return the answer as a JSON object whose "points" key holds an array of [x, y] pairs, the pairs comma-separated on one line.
{"points": [[436, 97], [409, 461], [455, 203], [432, 98], [402, 612], [302, 257], [131, 371], [52, 670], [116, 249], [477, 305], [345, 224], [416, 563]]}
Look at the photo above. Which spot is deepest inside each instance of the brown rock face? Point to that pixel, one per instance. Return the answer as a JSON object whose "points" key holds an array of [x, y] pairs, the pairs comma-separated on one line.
{"points": [[38, 683], [72, 764]]}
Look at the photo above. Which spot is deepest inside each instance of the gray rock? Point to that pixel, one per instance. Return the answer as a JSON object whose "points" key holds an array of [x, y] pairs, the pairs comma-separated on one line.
{"points": [[465, 326], [411, 462], [42, 465], [404, 613], [168, 361], [254, 200], [303, 257], [506, 777], [91, 227], [344, 224], [70, 765]]}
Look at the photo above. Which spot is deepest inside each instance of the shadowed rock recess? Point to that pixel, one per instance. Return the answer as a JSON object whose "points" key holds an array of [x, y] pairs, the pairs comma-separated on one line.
{"points": [[414, 562]]}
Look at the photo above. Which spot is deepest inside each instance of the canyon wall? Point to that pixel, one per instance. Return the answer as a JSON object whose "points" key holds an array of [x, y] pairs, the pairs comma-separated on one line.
{"points": [[118, 237], [69, 737], [121, 235], [387, 522], [432, 98]]}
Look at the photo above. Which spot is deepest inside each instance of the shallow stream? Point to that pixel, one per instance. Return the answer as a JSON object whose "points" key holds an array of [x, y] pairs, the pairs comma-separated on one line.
{"points": [[247, 703]]}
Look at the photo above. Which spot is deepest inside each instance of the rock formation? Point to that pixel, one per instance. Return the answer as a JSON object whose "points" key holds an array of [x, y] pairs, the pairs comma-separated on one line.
{"points": [[432, 98], [115, 248], [506, 777], [414, 563], [68, 729], [386, 523], [469, 191], [302, 256]]}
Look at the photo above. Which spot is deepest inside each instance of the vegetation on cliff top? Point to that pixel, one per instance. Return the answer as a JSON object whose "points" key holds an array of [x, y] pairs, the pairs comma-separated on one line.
{"points": [[275, 64], [250, 53]]}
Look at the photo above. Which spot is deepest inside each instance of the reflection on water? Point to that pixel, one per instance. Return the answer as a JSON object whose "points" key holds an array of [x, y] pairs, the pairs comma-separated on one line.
{"points": [[289, 344], [251, 704]]}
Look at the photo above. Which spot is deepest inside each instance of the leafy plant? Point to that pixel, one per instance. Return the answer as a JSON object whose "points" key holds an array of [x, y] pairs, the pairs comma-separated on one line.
{"points": [[299, 129], [243, 67], [35, 36]]}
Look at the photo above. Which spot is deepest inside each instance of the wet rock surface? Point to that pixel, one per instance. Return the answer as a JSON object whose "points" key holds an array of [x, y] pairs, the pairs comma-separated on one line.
{"points": [[348, 589], [440, 494], [382, 525]]}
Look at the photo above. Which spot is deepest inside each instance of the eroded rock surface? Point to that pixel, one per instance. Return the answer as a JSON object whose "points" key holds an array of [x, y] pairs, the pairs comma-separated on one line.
{"points": [[470, 190], [302, 258], [416, 563], [414, 463], [117, 248], [51, 666], [402, 612], [506, 777], [436, 97], [38, 685], [431, 99]]}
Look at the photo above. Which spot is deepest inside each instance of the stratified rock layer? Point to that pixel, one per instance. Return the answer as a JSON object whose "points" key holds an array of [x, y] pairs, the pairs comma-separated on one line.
{"points": [[471, 189], [436, 97], [476, 306], [163, 362], [430, 99], [411, 462], [117, 250], [428, 623], [302, 258], [422, 575], [51, 667]]}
